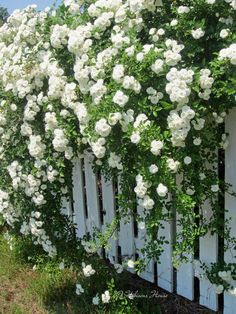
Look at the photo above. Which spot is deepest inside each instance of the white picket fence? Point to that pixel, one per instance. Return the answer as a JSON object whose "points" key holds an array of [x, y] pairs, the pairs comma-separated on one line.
{"points": [[94, 206]]}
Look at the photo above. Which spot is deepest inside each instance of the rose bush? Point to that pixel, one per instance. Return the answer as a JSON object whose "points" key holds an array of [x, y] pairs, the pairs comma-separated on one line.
{"points": [[143, 85]]}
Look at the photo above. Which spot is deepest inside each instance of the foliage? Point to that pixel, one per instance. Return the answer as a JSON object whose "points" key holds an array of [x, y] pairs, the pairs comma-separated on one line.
{"points": [[3, 15], [143, 86]]}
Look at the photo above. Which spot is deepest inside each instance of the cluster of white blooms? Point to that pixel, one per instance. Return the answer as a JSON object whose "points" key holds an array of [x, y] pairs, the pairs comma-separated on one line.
{"points": [[141, 187], [172, 55], [206, 83], [34, 227], [79, 289], [51, 122], [156, 147], [162, 190], [120, 98], [229, 53], [98, 147], [178, 86], [154, 96], [88, 270], [183, 9], [36, 147], [141, 123], [114, 161], [156, 33], [172, 164], [198, 33], [9, 213], [118, 73], [146, 202], [60, 141], [180, 125], [219, 118], [106, 297], [102, 128], [59, 36]]}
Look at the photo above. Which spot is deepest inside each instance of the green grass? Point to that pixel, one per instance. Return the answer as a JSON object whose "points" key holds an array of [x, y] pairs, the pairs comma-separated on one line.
{"points": [[51, 291], [24, 291]]}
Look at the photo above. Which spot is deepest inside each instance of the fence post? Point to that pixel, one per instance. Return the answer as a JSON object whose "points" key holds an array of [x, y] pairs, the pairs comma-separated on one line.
{"points": [[230, 201]]}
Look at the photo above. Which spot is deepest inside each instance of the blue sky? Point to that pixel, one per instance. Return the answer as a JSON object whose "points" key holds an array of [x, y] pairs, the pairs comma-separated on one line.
{"points": [[11, 5]]}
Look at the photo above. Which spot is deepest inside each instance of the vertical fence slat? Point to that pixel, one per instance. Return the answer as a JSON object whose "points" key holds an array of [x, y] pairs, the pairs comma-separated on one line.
{"points": [[78, 197], [108, 199], [126, 235], [148, 273], [165, 267], [66, 207], [93, 220], [185, 273], [208, 253], [230, 201]]}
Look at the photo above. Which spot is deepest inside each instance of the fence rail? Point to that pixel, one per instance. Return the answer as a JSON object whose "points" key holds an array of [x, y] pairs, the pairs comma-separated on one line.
{"points": [[95, 206]]}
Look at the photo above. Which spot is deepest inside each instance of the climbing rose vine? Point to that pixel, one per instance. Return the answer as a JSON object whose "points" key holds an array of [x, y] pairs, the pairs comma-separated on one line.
{"points": [[145, 87]]}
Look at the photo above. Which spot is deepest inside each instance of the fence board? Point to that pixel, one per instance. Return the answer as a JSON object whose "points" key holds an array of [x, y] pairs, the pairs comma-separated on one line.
{"points": [[230, 201], [148, 273], [185, 273], [66, 207], [93, 220], [165, 267], [108, 200], [126, 235], [208, 253], [78, 197]]}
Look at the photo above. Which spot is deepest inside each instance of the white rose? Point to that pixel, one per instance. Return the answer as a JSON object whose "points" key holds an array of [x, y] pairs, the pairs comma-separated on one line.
{"points": [[162, 190]]}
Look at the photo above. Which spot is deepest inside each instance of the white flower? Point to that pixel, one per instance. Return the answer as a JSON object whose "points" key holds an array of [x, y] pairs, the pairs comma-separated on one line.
{"points": [[156, 147], [183, 9], [225, 275], [141, 225], [197, 141], [187, 160], [130, 263], [172, 164], [162, 190], [147, 202], [118, 268], [198, 33], [202, 176], [120, 98], [153, 169], [106, 297], [140, 56], [118, 73], [61, 265], [174, 23], [224, 33], [79, 289], [232, 291], [190, 191], [210, 1], [219, 289], [88, 271], [102, 127], [135, 138], [13, 107], [215, 188], [157, 67], [96, 300]]}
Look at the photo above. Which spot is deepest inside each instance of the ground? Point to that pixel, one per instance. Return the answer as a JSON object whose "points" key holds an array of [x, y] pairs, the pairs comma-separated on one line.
{"points": [[26, 291]]}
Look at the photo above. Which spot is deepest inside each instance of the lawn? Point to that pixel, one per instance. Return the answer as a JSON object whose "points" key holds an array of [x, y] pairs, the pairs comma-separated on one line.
{"points": [[49, 290]]}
